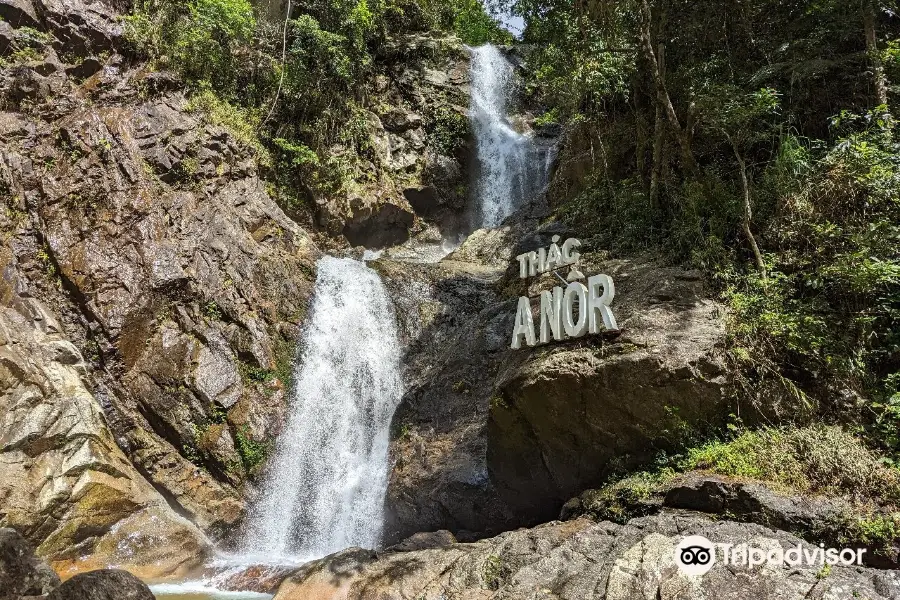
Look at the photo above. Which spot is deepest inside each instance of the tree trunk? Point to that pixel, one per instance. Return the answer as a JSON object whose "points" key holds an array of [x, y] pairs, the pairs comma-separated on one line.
{"points": [[748, 209], [881, 87], [659, 136], [662, 93]]}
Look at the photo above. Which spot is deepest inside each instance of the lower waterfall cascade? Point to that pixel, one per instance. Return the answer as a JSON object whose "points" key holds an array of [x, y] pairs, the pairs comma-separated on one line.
{"points": [[326, 483]]}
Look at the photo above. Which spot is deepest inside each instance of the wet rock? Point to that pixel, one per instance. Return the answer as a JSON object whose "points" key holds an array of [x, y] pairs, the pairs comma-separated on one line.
{"points": [[21, 572], [262, 579], [450, 319], [425, 541], [584, 560], [424, 201], [152, 544], [108, 584]]}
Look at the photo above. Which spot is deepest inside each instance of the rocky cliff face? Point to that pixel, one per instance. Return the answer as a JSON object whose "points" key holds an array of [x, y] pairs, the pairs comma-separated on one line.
{"points": [[152, 293], [419, 134]]}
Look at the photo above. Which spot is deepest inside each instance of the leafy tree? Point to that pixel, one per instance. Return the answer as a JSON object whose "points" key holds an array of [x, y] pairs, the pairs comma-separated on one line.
{"points": [[752, 139]]}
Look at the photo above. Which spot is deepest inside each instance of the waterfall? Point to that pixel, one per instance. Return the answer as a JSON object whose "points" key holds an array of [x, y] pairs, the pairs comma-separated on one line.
{"points": [[327, 481], [506, 174]]}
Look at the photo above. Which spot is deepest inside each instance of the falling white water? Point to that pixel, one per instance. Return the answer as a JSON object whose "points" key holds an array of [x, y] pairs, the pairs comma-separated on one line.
{"points": [[327, 481], [512, 169]]}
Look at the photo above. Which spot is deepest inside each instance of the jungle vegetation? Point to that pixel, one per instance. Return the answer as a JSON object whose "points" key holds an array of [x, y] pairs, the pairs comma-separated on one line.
{"points": [[755, 140]]}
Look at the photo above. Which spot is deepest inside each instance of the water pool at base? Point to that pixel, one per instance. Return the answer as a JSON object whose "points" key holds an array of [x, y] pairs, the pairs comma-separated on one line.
{"points": [[199, 591]]}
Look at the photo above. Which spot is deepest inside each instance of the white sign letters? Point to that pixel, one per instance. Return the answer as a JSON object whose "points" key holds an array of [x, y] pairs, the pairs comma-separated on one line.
{"points": [[570, 312]]}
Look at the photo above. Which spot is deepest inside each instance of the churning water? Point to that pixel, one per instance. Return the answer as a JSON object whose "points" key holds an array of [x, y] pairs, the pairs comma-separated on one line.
{"points": [[327, 482], [510, 166]]}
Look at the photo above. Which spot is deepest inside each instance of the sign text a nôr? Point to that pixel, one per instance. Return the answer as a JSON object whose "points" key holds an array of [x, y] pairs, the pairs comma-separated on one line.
{"points": [[566, 312]]}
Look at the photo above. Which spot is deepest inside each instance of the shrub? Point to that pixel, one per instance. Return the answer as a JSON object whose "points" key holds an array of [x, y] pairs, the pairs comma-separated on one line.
{"points": [[242, 122], [199, 38], [252, 453], [821, 459], [475, 26], [624, 499], [880, 531], [493, 571], [447, 130]]}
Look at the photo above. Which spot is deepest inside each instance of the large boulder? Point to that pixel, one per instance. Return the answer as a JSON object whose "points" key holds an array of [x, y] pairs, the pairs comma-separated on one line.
{"points": [[585, 560], [480, 454], [571, 413], [21, 572], [110, 584]]}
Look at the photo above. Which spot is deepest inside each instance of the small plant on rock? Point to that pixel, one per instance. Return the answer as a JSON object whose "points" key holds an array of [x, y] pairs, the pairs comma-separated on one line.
{"points": [[492, 572]]}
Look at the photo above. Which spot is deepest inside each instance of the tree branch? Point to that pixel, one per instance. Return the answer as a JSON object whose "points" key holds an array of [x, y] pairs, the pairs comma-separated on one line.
{"points": [[662, 93], [748, 209]]}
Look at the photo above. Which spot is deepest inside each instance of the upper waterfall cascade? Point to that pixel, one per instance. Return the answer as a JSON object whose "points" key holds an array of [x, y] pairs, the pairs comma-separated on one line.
{"points": [[327, 481], [511, 167]]}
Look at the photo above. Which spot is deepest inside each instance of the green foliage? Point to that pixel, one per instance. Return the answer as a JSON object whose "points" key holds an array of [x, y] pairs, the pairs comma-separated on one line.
{"points": [[295, 155], [823, 169], [241, 122], [28, 36], [817, 459], [493, 572], [497, 403], [212, 311], [217, 414], [623, 500], [401, 430], [294, 107], [887, 420], [190, 452], [475, 26], [285, 353], [199, 38], [550, 117], [252, 374], [252, 453], [828, 312], [447, 130], [881, 531]]}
